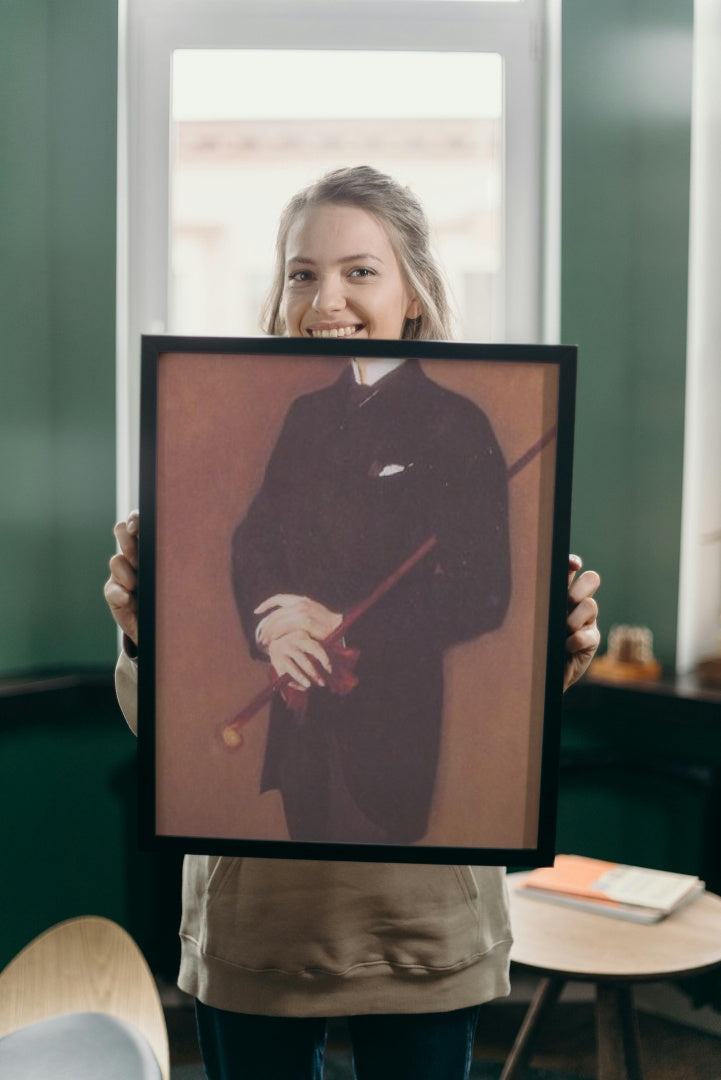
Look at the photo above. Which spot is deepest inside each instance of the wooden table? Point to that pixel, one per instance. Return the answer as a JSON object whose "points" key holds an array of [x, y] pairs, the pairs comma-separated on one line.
{"points": [[563, 944]]}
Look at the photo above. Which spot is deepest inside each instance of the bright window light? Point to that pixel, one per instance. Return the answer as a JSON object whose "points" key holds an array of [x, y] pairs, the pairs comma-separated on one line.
{"points": [[251, 127]]}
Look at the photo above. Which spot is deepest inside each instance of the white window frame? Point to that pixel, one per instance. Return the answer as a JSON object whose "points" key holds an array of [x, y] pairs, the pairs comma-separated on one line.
{"points": [[699, 597], [526, 34]]}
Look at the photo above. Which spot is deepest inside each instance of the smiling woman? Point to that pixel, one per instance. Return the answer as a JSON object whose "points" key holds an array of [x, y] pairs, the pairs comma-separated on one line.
{"points": [[344, 295]]}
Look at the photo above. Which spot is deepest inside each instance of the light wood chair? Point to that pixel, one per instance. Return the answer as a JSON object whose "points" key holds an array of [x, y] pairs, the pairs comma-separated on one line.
{"points": [[85, 965]]}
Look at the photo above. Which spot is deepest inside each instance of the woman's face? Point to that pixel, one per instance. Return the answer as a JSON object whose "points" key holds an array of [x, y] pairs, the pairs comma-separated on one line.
{"points": [[342, 277]]}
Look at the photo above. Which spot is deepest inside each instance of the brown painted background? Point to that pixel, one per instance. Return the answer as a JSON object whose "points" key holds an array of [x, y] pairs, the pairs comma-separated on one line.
{"points": [[218, 421]]}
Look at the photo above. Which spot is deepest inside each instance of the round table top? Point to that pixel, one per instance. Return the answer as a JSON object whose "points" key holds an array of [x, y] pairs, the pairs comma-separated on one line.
{"points": [[559, 940]]}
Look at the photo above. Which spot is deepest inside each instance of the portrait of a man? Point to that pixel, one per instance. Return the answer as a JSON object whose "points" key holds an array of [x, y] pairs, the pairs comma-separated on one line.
{"points": [[365, 544], [360, 477]]}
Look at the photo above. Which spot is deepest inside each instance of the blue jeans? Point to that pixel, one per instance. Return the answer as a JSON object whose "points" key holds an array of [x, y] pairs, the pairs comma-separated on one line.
{"points": [[414, 1046]]}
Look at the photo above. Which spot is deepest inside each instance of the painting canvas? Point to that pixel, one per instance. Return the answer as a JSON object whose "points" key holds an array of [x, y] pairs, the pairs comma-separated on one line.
{"points": [[352, 597]]}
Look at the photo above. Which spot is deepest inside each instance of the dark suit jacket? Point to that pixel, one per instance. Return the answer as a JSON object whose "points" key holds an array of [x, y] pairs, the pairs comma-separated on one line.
{"points": [[349, 493]]}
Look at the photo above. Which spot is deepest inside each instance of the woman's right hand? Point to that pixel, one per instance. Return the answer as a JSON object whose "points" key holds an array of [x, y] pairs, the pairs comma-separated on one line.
{"points": [[121, 587]]}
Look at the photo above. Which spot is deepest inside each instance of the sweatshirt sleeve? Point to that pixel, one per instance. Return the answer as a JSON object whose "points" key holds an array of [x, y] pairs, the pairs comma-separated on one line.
{"points": [[126, 688]]}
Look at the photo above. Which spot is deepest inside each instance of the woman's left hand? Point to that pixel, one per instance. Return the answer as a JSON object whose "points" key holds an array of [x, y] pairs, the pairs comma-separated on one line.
{"points": [[583, 635]]}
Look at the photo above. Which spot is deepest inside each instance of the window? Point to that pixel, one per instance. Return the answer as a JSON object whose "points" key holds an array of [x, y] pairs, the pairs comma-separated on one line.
{"points": [[447, 95], [235, 161]]}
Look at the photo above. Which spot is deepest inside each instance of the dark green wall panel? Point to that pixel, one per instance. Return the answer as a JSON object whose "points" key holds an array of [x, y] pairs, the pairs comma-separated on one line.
{"points": [[641, 777], [58, 77], [68, 807], [68, 844], [25, 400], [626, 145]]}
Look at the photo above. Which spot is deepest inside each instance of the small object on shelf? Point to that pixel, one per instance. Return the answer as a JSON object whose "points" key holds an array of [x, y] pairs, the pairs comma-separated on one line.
{"points": [[634, 893], [629, 657], [709, 670]]}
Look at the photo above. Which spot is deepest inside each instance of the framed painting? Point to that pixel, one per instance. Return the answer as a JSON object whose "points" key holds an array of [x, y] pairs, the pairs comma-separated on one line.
{"points": [[352, 597]]}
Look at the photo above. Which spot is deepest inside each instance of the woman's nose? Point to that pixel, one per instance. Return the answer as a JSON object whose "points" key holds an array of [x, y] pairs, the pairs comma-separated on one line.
{"points": [[329, 296]]}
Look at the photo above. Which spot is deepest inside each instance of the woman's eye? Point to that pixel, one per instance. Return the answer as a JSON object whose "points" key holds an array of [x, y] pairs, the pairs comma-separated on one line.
{"points": [[300, 276], [362, 272]]}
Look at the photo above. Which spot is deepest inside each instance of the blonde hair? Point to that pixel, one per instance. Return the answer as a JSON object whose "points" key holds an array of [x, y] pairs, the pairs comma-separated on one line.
{"points": [[403, 217]]}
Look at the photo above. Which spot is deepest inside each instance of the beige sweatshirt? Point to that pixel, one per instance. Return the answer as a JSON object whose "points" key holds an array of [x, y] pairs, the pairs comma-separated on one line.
{"points": [[287, 937]]}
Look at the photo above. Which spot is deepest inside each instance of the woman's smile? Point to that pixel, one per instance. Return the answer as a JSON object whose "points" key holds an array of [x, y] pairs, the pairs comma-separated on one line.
{"points": [[335, 331]]}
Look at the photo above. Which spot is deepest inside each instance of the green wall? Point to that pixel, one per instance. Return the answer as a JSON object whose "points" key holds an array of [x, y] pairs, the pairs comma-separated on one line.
{"points": [[58, 73], [625, 202]]}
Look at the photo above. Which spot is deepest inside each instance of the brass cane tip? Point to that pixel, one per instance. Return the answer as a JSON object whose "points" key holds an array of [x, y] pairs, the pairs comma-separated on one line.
{"points": [[231, 738]]}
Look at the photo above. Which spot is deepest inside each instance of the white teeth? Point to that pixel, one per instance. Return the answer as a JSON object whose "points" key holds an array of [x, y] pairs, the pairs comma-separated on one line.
{"points": [[335, 332]]}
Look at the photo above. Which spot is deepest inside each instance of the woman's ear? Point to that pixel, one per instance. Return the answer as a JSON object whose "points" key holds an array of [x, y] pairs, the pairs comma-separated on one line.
{"points": [[415, 309]]}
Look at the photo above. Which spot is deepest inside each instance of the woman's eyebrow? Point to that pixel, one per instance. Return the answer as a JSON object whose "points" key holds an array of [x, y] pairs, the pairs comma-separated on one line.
{"points": [[361, 257]]}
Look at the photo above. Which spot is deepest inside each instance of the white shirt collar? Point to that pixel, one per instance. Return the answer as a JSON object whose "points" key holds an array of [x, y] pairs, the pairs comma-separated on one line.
{"points": [[375, 369]]}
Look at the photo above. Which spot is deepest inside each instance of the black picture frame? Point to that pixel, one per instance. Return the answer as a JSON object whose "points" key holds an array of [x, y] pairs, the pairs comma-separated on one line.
{"points": [[212, 410]]}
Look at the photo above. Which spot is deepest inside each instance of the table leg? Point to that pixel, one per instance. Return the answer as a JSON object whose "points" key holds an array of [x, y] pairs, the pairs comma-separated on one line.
{"points": [[617, 1033], [545, 997]]}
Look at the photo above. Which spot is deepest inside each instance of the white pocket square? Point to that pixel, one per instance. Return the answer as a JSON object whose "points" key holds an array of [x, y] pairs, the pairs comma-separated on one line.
{"points": [[391, 470]]}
